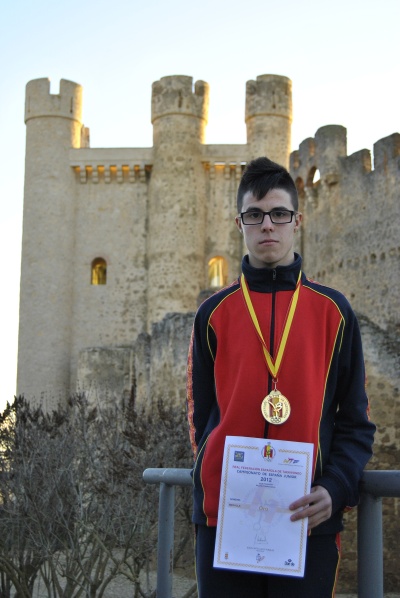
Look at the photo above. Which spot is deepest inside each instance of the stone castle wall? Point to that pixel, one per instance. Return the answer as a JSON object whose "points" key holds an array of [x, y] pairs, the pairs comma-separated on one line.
{"points": [[350, 235]]}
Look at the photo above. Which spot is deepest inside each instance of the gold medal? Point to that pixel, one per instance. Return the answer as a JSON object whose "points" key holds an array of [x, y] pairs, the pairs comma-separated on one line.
{"points": [[275, 408]]}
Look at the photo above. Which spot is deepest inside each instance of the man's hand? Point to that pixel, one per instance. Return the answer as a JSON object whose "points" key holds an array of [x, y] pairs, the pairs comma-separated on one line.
{"points": [[317, 506]]}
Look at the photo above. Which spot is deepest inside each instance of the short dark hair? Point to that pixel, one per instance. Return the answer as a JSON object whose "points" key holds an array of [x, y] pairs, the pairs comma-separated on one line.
{"points": [[260, 176]]}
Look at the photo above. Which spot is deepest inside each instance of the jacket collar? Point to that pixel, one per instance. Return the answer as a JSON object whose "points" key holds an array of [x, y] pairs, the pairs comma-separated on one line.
{"points": [[267, 280]]}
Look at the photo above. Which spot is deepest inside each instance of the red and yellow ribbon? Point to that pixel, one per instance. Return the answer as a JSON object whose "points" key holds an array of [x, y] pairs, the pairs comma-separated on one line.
{"points": [[273, 366]]}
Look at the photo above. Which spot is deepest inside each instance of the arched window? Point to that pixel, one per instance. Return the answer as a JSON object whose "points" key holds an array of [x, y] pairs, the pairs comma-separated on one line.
{"points": [[99, 271], [217, 272]]}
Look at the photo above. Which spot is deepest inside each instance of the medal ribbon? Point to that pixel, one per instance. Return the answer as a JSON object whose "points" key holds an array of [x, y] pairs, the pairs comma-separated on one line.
{"points": [[273, 366]]}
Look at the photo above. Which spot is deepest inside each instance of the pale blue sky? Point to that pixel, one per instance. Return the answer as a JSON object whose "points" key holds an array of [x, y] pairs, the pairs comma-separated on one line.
{"points": [[341, 56]]}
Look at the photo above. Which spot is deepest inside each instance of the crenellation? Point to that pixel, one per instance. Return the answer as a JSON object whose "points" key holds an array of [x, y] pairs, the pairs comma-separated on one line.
{"points": [[294, 161], [40, 102], [359, 162], [330, 146], [307, 151], [175, 95], [85, 137], [269, 94], [303, 162], [385, 150]]}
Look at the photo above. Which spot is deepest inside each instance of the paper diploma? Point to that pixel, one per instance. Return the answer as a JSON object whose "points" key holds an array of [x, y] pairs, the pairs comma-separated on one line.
{"points": [[260, 479]]}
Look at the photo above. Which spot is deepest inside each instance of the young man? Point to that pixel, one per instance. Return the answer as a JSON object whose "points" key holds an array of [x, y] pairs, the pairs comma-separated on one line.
{"points": [[275, 329]]}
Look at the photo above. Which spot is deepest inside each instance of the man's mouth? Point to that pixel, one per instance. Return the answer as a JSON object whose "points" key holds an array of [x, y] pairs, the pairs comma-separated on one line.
{"points": [[268, 242]]}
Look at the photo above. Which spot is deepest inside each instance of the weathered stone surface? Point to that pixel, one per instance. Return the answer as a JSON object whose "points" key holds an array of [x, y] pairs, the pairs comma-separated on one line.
{"points": [[151, 369]]}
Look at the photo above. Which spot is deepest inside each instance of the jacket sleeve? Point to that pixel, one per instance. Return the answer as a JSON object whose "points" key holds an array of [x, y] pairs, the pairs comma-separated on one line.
{"points": [[351, 443], [202, 407]]}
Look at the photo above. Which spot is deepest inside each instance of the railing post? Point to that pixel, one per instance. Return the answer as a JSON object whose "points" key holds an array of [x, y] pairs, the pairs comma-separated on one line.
{"points": [[370, 547], [167, 478], [165, 549]]}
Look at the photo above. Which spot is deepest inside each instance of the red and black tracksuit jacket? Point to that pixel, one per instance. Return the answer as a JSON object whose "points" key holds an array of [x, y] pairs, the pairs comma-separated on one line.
{"points": [[322, 375]]}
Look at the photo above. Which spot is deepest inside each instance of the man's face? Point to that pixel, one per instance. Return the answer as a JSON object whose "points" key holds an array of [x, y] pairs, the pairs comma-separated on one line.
{"points": [[269, 244]]}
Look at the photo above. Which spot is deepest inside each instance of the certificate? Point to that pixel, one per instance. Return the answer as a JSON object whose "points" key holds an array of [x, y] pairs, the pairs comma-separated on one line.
{"points": [[260, 479]]}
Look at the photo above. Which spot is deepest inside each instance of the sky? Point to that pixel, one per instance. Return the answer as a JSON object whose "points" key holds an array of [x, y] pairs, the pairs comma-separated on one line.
{"points": [[342, 58]]}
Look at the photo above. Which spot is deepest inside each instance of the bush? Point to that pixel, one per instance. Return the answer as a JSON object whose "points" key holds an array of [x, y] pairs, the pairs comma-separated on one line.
{"points": [[74, 512]]}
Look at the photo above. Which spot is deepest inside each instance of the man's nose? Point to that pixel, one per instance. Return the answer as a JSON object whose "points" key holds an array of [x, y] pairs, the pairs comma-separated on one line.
{"points": [[267, 223]]}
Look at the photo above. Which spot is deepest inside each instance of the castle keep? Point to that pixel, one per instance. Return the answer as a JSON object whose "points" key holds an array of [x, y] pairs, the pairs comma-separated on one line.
{"points": [[120, 245], [158, 222]]}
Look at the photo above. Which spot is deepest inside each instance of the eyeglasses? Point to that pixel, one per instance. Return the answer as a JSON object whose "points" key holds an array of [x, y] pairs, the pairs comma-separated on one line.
{"points": [[277, 216]]}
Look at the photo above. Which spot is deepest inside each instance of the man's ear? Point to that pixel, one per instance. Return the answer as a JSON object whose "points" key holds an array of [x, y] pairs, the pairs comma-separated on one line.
{"points": [[239, 224], [298, 220]]}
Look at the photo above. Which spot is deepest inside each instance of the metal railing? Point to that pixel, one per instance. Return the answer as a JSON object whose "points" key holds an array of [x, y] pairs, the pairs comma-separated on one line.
{"points": [[375, 485]]}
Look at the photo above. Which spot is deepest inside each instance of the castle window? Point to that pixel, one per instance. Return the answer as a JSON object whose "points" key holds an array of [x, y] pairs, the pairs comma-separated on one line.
{"points": [[316, 177], [313, 177], [99, 271], [217, 272]]}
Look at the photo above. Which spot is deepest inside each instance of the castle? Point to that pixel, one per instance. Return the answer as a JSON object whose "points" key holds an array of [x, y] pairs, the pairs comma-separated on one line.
{"points": [[120, 245], [114, 239], [154, 225]]}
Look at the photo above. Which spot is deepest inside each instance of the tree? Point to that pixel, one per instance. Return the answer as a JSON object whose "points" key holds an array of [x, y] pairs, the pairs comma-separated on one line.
{"points": [[74, 512]]}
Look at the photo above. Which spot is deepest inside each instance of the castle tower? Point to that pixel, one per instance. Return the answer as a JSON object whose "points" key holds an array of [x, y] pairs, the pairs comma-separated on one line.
{"points": [[53, 126], [269, 117], [177, 196]]}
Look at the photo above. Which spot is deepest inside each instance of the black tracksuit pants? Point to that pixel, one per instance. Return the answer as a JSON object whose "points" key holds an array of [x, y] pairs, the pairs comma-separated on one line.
{"points": [[322, 563]]}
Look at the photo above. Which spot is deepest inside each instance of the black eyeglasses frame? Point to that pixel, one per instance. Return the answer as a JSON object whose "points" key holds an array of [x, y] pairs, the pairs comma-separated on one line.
{"points": [[242, 214]]}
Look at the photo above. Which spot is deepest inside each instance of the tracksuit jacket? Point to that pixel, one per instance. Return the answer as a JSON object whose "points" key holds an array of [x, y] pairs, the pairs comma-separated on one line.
{"points": [[322, 375]]}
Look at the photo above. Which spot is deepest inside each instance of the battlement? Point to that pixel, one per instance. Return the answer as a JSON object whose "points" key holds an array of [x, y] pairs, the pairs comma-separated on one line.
{"points": [[327, 153], [175, 95], [324, 153], [350, 236], [269, 95], [39, 102], [386, 149]]}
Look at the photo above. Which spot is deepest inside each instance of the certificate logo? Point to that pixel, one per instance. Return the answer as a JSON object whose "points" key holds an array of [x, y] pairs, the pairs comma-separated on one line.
{"points": [[268, 452], [238, 456]]}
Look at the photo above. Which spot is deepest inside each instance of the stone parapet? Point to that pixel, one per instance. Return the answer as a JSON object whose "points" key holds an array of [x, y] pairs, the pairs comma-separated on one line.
{"points": [[40, 102], [175, 95]]}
